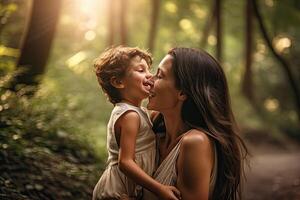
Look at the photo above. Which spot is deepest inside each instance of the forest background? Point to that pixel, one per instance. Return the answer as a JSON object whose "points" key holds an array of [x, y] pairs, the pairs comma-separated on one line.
{"points": [[53, 114]]}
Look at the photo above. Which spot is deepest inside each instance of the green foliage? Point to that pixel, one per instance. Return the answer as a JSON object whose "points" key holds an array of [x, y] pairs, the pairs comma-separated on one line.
{"points": [[86, 108], [13, 15], [41, 121], [45, 152]]}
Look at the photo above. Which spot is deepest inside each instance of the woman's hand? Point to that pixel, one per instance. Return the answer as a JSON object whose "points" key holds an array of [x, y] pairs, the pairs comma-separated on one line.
{"points": [[169, 193]]}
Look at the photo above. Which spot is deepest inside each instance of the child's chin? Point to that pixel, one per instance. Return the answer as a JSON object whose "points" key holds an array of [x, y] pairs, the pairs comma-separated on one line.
{"points": [[146, 94]]}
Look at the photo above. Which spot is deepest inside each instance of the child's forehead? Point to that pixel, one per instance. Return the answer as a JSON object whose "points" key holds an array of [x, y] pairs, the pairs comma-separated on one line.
{"points": [[138, 60]]}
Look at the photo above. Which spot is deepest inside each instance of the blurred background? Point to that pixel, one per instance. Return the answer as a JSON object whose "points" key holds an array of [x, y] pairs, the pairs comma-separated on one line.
{"points": [[53, 114]]}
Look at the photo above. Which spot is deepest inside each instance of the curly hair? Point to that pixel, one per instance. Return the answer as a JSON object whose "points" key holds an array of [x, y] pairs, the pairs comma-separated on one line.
{"points": [[113, 62]]}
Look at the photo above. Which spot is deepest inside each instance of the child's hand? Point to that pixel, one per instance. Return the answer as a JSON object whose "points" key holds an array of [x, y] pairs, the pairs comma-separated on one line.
{"points": [[169, 193]]}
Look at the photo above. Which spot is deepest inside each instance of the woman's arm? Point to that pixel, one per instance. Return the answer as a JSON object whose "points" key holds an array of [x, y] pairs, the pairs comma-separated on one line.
{"points": [[128, 124], [194, 166]]}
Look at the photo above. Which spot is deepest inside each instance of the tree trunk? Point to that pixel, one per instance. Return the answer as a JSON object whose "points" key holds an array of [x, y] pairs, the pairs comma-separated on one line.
{"points": [[285, 65], [153, 24], [123, 22], [111, 22], [37, 41], [219, 30], [207, 27], [247, 82]]}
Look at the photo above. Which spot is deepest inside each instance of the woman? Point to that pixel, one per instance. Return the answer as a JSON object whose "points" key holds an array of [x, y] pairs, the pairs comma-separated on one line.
{"points": [[200, 151]]}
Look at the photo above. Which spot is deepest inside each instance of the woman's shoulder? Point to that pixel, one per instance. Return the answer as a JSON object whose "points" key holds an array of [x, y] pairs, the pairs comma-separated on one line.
{"points": [[196, 152], [195, 138]]}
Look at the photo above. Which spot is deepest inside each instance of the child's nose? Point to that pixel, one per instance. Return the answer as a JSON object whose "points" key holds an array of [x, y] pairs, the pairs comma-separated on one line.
{"points": [[152, 79], [149, 75]]}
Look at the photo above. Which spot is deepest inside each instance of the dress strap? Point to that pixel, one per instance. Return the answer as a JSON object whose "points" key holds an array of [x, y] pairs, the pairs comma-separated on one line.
{"points": [[172, 156]]}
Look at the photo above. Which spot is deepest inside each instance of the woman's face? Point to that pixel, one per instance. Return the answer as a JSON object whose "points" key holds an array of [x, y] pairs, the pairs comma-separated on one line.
{"points": [[164, 95]]}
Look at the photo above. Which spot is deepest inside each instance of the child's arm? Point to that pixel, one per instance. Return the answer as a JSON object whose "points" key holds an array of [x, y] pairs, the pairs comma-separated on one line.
{"points": [[128, 125]]}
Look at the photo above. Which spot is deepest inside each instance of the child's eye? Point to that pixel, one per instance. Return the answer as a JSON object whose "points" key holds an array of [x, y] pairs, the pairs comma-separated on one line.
{"points": [[141, 70]]}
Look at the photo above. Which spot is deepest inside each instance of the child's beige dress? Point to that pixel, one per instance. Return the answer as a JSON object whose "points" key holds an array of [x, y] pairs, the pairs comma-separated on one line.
{"points": [[113, 183]]}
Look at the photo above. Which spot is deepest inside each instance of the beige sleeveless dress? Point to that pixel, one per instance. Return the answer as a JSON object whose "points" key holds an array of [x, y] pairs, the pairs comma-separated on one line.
{"points": [[113, 183], [167, 175]]}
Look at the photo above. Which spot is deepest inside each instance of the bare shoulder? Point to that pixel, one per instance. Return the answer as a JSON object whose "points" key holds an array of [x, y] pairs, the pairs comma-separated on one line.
{"points": [[196, 139], [194, 165]]}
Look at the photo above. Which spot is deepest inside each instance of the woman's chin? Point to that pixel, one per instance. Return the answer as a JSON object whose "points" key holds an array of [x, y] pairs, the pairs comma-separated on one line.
{"points": [[151, 105]]}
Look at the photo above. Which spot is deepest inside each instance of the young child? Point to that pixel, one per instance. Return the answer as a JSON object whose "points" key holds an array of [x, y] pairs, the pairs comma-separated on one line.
{"points": [[123, 73]]}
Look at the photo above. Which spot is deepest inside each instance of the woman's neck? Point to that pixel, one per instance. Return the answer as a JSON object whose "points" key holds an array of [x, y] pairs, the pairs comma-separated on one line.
{"points": [[175, 127]]}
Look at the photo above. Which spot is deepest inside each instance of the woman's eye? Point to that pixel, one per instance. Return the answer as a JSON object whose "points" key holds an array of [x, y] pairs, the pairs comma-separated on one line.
{"points": [[158, 76]]}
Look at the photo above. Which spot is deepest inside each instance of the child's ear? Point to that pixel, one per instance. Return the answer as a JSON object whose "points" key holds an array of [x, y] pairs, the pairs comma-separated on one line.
{"points": [[182, 96], [117, 83]]}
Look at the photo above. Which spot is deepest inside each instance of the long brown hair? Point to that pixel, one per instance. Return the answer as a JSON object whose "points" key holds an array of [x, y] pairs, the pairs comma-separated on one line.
{"points": [[207, 107]]}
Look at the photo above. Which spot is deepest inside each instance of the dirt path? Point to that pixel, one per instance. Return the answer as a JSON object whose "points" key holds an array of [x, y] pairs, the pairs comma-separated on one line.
{"points": [[274, 174]]}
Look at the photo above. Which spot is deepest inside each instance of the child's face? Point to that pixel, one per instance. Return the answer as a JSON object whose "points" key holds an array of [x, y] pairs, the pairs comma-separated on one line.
{"points": [[137, 80]]}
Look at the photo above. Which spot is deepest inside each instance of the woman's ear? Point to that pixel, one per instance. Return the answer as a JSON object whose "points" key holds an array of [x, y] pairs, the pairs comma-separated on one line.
{"points": [[182, 96], [117, 83]]}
